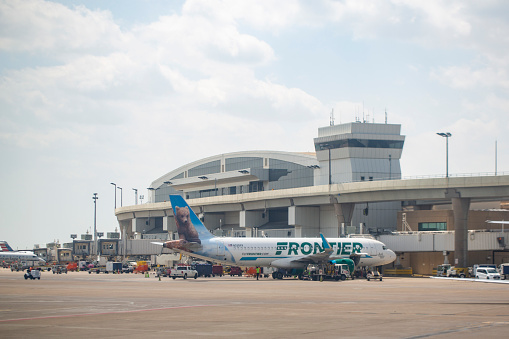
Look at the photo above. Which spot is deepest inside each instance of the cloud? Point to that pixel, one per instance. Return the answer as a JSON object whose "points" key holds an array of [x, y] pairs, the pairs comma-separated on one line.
{"points": [[465, 77], [38, 26]]}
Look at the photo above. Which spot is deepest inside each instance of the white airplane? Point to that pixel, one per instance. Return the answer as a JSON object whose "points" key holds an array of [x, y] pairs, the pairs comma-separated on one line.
{"points": [[7, 255], [285, 253]]}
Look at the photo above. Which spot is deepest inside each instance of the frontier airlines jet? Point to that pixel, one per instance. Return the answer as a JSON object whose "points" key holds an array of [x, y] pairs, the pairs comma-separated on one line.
{"points": [[286, 253]]}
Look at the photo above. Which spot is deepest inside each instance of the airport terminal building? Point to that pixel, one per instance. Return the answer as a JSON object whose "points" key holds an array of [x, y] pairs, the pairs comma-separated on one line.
{"points": [[351, 184], [352, 152]]}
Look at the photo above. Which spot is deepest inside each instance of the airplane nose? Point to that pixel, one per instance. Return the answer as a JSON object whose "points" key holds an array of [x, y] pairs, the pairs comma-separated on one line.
{"points": [[392, 255]]}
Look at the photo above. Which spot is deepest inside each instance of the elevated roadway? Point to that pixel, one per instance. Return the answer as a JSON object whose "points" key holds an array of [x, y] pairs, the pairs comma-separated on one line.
{"points": [[460, 191]]}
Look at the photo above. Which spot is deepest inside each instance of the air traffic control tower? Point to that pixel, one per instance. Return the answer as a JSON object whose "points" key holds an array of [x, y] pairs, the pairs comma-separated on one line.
{"points": [[360, 151]]}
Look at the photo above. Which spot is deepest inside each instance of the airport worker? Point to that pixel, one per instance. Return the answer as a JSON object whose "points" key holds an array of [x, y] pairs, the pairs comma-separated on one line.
{"points": [[257, 272]]}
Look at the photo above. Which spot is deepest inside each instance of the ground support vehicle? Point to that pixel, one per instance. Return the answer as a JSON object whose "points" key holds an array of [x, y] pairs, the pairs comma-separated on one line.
{"points": [[141, 267], [460, 272], [98, 269], [488, 273], [72, 267], [374, 275], [328, 271], [59, 269], [204, 270], [267, 271], [33, 274], [127, 268], [19, 267], [235, 270], [163, 272], [217, 270], [446, 270], [476, 267], [503, 269], [280, 273], [183, 272], [114, 267]]}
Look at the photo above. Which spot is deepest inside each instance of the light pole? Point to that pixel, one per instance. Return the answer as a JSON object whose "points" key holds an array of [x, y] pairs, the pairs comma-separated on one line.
{"points": [[135, 196], [95, 223], [120, 188], [152, 189], [115, 193], [446, 135]]}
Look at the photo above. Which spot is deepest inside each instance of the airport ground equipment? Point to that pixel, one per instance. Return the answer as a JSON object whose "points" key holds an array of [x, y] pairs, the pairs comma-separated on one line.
{"points": [[204, 270], [33, 274], [163, 272], [98, 269], [141, 267], [184, 271], [446, 270], [488, 273], [72, 267], [473, 272], [126, 268], [235, 270], [59, 269], [217, 270], [113, 267], [328, 271], [503, 269], [374, 275]]}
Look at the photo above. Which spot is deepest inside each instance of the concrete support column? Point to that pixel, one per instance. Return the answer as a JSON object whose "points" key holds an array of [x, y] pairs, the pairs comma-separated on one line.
{"points": [[344, 213], [306, 219], [169, 226], [460, 208], [252, 218]]}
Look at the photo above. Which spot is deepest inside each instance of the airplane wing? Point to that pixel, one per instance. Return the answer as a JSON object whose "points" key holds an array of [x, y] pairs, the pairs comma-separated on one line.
{"points": [[313, 258], [497, 222], [179, 246]]}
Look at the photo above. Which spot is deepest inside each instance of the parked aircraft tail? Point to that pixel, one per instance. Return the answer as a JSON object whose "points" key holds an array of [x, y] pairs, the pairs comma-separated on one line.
{"points": [[4, 246], [189, 227]]}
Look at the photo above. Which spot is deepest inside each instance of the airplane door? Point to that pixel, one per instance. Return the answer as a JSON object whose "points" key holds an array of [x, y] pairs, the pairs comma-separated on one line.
{"points": [[220, 249], [372, 249]]}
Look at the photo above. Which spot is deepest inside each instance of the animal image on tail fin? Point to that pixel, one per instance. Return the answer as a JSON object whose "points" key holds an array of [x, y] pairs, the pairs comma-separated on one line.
{"points": [[185, 228], [189, 227]]}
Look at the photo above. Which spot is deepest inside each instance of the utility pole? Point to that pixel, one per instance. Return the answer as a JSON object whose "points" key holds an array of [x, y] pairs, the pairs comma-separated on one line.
{"points": [[95, 224], [135, 196]]}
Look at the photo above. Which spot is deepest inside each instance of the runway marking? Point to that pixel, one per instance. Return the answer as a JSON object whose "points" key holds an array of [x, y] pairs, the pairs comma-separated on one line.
{"points": [[104, 313]]}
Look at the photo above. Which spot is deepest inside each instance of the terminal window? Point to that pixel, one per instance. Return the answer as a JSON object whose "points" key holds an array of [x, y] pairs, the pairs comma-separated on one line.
{"points": [[432, 226]]}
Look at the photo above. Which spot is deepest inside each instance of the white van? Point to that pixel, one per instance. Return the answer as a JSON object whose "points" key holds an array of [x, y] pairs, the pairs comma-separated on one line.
{"points": [[487, 273]]}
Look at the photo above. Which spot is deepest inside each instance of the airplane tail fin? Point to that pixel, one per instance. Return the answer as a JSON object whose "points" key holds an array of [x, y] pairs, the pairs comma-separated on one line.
{"points": [[4, 247], [189, 226]]}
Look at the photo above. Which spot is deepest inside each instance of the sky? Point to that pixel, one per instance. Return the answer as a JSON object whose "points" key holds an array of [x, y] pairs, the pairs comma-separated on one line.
{"points": [[94, 92]]}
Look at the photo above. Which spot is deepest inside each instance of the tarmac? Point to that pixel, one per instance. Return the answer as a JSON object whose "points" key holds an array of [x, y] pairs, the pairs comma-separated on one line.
{"points": [[82, 305]]}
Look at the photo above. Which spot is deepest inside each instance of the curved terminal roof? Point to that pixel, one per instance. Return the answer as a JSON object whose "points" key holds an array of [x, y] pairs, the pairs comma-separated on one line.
{"points": [[231, 167]]}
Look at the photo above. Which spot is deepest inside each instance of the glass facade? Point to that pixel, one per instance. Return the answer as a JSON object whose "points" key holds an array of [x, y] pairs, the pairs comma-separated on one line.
{"points": [[284, 174], [432, 226], [208, 168], [234, 164], [363, 143], [279, 175]]}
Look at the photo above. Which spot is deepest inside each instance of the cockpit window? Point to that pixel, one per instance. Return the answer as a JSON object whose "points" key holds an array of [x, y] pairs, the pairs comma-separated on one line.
{"points": [[384, 247]]}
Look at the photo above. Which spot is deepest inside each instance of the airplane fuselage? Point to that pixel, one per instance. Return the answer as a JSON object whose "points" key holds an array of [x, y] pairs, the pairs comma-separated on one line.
{"points": [[12, 256], [283, 252]]}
